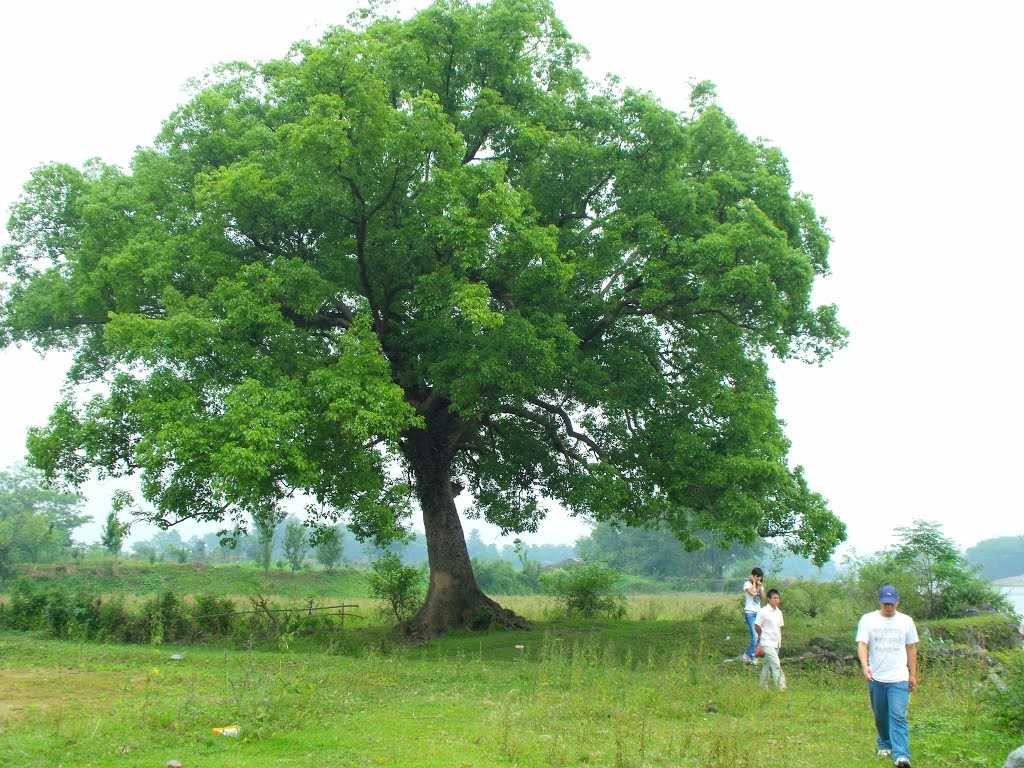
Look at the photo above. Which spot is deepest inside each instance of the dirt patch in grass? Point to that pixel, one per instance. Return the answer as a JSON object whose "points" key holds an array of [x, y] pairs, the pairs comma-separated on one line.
{"points": [[26, 690]]}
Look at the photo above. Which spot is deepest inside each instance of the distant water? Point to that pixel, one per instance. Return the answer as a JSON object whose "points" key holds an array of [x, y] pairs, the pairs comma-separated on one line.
{"points": [[1016, 597]]}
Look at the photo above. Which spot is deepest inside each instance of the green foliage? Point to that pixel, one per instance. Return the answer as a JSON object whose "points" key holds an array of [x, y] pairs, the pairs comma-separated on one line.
{"points": [[136, 579], [330, 547], [814, 598], [658, 552], [588, 590], [998, 558], [113, 533], [399, 586], [932, 576], [1005, 700], [500, 577], [35, 521], [265, 523], [296, 543], [993, 632], [433, 228], [163, 618]]}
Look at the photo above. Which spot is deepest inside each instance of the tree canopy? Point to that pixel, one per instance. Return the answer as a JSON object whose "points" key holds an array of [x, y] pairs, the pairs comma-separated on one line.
{"points": [[427, 256]]}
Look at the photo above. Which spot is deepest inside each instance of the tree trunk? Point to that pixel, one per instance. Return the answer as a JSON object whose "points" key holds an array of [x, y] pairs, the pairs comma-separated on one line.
{"points": [[453, 598]]}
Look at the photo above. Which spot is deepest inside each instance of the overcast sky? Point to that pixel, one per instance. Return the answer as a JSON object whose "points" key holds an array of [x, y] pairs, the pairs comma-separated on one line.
{"points": [[902, 119]]}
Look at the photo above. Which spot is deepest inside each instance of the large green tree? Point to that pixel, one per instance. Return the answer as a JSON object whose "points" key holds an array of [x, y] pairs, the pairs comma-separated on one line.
{"points": [[424, 257]]}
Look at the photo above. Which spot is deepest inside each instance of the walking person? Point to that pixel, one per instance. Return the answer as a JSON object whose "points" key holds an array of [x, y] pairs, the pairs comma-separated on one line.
{"points": [[887, 649], [768, 626], [753, 594]]}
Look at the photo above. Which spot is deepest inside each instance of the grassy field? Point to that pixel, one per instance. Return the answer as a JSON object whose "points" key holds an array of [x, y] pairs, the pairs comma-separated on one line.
{"points": [[651, 690]]}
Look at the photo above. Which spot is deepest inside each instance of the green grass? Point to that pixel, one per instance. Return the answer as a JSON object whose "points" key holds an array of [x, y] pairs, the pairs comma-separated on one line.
{"points": [[641, 692]]}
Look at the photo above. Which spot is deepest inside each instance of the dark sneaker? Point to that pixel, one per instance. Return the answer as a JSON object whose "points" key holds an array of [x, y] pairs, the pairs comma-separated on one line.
{"points": [[903, 762]]}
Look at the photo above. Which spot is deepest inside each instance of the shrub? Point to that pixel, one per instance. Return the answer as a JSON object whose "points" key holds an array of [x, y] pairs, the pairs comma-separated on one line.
{"points": [[500, 577], [213, 617], [817, 598], [991, 632], [28, 607], [589, 590], [165, 620], [399, 586], [1005, 699]]}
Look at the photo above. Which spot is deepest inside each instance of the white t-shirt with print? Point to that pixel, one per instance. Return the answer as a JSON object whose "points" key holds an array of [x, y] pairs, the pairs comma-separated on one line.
{"points": [[769, 619], [751, 603], [887, 639]]}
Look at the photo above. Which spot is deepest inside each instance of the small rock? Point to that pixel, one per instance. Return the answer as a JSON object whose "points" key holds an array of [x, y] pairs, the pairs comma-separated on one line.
{"points": [[1016, 758], [173, 764], [177, 657]]}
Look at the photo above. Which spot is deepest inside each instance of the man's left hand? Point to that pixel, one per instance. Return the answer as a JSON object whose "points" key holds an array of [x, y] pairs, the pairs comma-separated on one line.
{"points": [[913, 682]]}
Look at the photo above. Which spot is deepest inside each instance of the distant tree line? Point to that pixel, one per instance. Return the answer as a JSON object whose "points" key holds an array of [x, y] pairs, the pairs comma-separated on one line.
{"points": [[36, 522]]}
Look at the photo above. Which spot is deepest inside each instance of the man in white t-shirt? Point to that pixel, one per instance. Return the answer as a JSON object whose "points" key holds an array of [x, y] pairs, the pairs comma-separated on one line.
{"points": [[887, 648], [768, 625]]}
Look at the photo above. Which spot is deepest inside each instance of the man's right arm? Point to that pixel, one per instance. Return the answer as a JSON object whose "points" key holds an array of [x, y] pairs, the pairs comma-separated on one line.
{"points": [[862, 654]]}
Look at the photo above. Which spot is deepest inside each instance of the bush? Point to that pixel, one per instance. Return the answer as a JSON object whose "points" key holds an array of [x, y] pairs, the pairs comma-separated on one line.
{"points": [[817, 598], [399, 586], [500, 577], [588, 590], [28, 607], [213, 617], [991, 632], [1005, 700]]}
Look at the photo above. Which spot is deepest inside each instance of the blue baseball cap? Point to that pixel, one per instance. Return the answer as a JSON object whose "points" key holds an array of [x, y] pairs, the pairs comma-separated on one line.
{"points": [[888, 594]]}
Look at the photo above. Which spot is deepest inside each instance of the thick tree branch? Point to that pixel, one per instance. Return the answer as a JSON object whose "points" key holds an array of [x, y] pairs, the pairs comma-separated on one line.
{"points": [[581, 212], [342, 318], [570, 429], [556, 438]]}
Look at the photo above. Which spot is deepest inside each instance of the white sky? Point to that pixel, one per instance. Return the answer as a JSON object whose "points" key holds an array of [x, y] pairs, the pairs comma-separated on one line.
{"points": [[900, 118]]}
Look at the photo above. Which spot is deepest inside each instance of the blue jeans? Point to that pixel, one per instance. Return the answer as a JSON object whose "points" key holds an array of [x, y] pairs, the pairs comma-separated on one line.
{"points": [[752, 647], [889, 704]]}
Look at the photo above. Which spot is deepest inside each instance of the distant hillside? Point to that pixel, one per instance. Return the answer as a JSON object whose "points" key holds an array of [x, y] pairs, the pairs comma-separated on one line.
{"points": [[998, 558]]}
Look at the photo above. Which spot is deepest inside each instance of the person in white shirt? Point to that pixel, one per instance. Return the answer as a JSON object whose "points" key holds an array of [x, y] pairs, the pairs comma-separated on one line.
{"points": [[768, 625], [753, 594], [887, 648]]}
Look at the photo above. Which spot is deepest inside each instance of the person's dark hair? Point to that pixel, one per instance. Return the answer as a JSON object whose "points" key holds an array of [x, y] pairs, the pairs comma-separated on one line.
{"points": [[757, 572], [773, 592]]}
